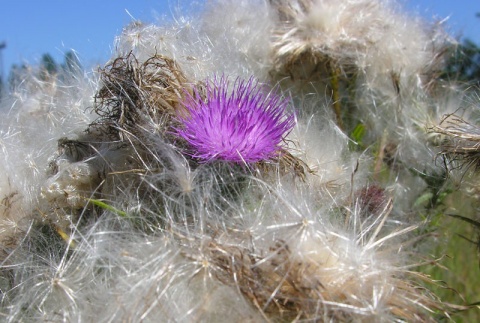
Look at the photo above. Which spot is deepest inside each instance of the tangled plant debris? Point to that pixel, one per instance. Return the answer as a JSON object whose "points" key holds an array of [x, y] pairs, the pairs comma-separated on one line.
{"points": [[132, 91]]}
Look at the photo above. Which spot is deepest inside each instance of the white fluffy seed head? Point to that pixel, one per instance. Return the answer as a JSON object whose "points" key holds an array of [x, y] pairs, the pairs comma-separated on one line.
{"points": [[165, 236]]}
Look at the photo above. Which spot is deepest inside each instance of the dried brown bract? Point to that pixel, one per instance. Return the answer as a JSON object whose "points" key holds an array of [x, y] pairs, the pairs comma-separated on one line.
{"points": [[133, 92], [285, 284], [285, 163], [461, 141], [301, 47]]}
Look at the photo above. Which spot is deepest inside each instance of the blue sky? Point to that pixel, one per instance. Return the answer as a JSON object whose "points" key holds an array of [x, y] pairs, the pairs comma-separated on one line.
{"points": [[31, 28]]}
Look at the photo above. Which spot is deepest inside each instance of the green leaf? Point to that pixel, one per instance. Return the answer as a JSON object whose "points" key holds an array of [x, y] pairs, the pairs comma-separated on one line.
{"points": [[358, 133], [424, 198], [110, 208]]}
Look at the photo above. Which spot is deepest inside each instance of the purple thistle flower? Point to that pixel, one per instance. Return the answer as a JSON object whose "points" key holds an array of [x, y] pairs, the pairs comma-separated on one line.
{"points": [[244, 125]]}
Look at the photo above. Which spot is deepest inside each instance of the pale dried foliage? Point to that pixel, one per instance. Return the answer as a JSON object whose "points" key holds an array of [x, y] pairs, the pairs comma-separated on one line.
{"points": [[132, 91], [122, 225], [460, 141]]}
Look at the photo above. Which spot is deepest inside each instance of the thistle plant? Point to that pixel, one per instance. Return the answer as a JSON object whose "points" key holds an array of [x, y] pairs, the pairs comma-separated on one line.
{"points": [[244, 125], [140, 199]]}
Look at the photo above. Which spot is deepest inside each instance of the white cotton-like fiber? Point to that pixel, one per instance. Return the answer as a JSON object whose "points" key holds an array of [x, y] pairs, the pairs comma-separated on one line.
{"points": [[36, 115], [367, 55], [108, 215], [372, 35], [331, 164], [201, 47]]}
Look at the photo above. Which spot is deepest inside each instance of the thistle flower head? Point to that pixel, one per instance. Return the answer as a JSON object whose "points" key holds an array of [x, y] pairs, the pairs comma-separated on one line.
{"points": [[244, 125]]}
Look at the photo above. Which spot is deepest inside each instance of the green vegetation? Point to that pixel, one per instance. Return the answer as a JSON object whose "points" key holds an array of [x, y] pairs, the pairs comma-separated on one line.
{"points": [[458, 273], [464, 63]]}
